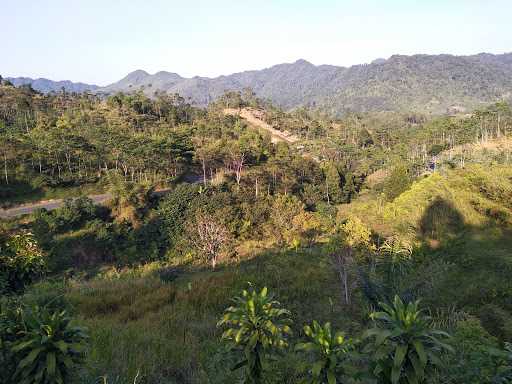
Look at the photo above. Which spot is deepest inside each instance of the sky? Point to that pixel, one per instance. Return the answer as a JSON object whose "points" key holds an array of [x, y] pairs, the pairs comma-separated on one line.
{"points": [[100, 41]]}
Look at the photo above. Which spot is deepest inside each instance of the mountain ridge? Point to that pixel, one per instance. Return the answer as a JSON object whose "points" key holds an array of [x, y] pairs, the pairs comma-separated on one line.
{"points": [[421, 82], [44, 85]]}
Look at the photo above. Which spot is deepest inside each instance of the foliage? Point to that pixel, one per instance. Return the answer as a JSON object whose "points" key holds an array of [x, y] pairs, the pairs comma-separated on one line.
{"points": [[257, 327], [329, 351], [397, 182], [477, 357], [21, 262], [403, 345], [39, 345]]}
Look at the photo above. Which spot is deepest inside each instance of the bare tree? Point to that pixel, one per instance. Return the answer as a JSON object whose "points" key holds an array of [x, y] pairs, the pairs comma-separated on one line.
{"points": [[343, 261], [209, 237], [238, 162]]}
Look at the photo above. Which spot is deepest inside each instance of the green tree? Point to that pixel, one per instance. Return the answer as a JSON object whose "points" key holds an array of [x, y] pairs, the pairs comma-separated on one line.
{"points": [[257, 326], [397, 182], [334, 191]]}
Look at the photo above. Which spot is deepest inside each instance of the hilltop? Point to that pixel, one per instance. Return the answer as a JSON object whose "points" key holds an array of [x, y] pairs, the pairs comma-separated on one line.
{"points": [[422, 83], [427, 83]]}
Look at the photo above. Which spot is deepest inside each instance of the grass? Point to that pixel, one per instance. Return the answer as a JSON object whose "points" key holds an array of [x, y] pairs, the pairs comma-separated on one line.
{"points": [[143, 325], [460, 222], [166, 331]]}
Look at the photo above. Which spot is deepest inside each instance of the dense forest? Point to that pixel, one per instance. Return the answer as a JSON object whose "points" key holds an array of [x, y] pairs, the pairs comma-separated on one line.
{"points": [[373, 249]]}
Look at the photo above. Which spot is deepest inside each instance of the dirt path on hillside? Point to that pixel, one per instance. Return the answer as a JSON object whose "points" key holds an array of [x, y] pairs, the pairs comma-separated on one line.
{"points": [[255, 117]]}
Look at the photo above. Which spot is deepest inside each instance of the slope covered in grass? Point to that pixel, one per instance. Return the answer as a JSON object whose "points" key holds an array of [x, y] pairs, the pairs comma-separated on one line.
{"points": [[140, 321], [460, 222]]}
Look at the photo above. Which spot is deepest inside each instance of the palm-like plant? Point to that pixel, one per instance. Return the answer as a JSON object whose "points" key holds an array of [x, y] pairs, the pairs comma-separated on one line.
{"points": [[329, 352], [404, 345], [257, 326], [47, 348]]}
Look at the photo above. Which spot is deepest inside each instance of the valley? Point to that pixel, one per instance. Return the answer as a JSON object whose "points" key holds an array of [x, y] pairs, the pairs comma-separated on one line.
{"points": [[165, 211]]}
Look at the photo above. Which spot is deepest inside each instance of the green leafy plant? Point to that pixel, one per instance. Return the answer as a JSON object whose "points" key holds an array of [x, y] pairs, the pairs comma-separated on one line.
{"points": [[329, 354], [10, 325], [47, 347], [404, 345], [21, 261], [504, 374], [257, 327]]}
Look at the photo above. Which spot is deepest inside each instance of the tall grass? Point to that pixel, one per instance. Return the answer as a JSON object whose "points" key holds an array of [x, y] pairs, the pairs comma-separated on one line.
{"points": [[166, 331]]}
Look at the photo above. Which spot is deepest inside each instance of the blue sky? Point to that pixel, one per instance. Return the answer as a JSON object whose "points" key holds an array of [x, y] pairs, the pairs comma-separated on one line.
{"points": [[100, 41]]}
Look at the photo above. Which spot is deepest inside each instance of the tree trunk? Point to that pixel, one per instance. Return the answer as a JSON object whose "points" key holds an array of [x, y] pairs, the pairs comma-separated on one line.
{"points": [[5, 169], [204, 172]]}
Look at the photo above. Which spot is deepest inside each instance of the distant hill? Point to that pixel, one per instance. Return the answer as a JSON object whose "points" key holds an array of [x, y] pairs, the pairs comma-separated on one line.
{"points": [[46, 86], [427, 83]]}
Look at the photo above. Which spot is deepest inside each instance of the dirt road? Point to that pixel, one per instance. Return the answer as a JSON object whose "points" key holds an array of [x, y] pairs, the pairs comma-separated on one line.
{"points": [[49, 205], [255, 117]]}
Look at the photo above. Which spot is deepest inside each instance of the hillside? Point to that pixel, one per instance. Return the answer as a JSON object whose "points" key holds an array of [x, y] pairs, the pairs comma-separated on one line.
{"points": [[354, 212], [46, 86], [427, 83]]}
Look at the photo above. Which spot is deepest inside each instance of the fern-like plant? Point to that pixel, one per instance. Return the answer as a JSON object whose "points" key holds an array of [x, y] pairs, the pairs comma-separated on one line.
{"points": [[257, 326], [403, 344], [329, 354]]}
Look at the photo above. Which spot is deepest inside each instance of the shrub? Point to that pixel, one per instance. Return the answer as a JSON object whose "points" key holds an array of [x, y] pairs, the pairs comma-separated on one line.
{"points": [[397, 182], [329, 354], [48, 347], [38, 345], [21, 262], [404, 346]]}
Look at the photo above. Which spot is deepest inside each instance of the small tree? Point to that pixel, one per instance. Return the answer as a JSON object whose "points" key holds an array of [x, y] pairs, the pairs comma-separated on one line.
{"points": [[257, 327], [403, 343], [352, 238], [329, 354], [21, 262], [208, 236], [397, 182]]}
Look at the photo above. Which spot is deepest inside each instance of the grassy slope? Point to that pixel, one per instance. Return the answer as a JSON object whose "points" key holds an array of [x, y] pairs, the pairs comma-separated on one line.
{"points": [[168, 330], [459, 220]]}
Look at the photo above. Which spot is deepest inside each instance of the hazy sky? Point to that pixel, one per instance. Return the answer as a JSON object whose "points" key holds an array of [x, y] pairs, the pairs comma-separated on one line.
{"points": [[100, 41]]}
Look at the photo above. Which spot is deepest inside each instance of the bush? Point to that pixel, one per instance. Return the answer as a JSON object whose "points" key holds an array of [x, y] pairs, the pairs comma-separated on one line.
{"points": [[38, 345], [475, 360], [21, 262], [397, 182], [73, 215], [404, 346], [329, 353]]}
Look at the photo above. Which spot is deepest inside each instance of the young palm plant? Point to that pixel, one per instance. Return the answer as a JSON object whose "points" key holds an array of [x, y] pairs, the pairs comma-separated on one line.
{"points": [[329, 353], [403, 343], [47, 348], [257, 326]]}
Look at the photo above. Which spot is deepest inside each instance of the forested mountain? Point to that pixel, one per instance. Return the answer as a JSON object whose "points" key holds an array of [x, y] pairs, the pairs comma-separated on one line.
{"points": [[47, 86], [427, 83]]}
